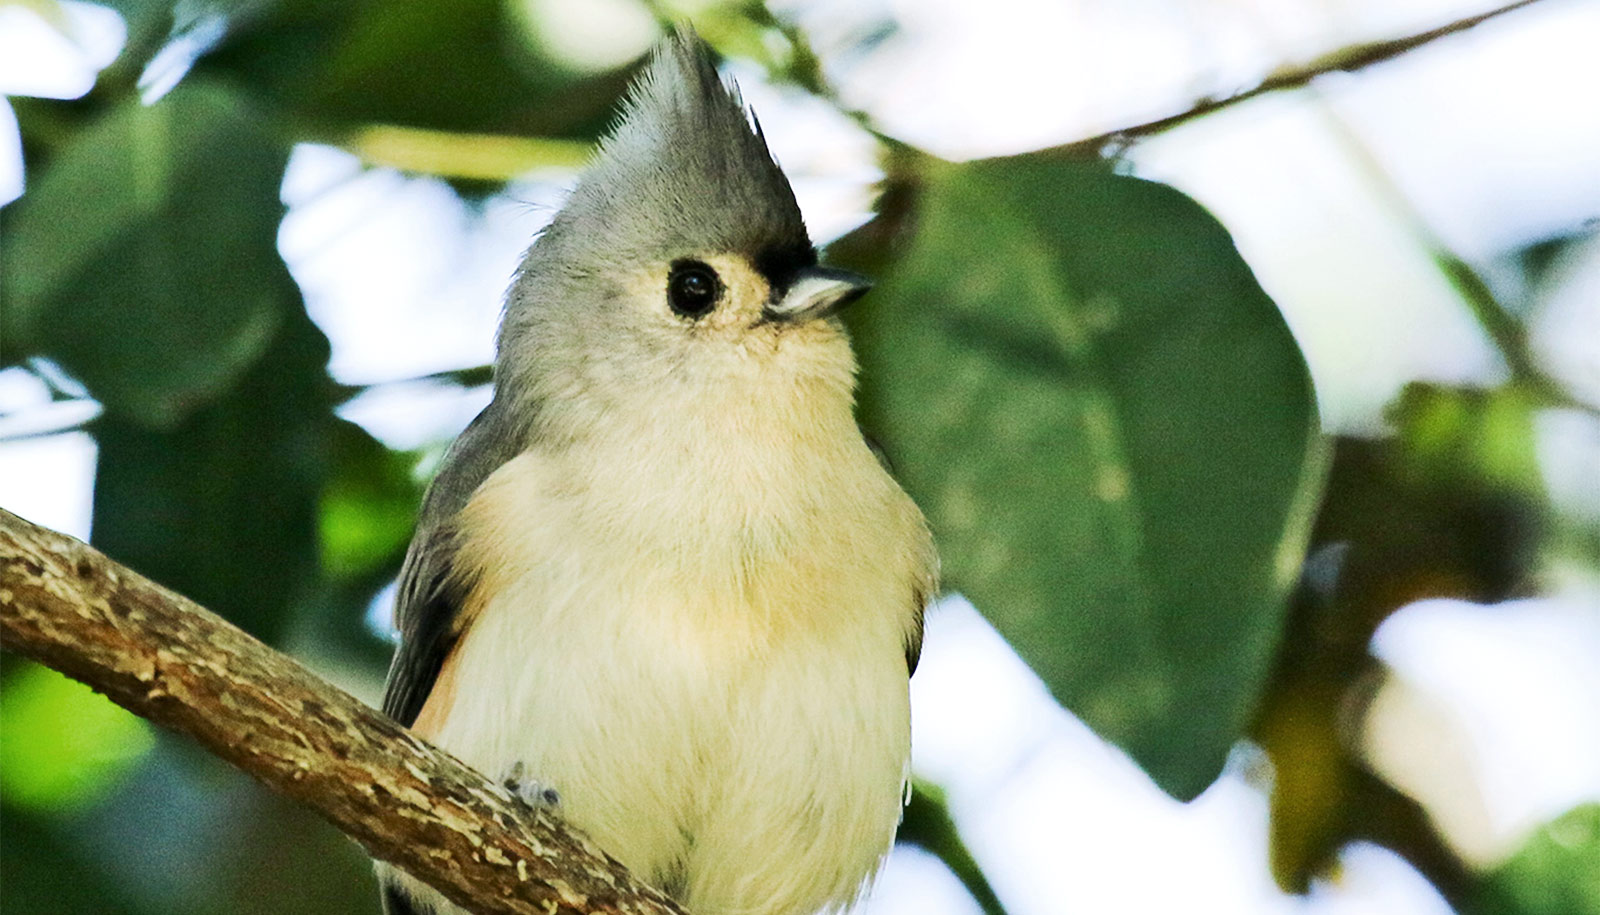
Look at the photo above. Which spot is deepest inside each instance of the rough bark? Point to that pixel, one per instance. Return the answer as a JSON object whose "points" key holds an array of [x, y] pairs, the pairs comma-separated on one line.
{"points": [[165, 658]]}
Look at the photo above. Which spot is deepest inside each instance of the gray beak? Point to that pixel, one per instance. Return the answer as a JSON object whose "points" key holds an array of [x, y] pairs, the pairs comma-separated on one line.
{"points": [[816, 292]]}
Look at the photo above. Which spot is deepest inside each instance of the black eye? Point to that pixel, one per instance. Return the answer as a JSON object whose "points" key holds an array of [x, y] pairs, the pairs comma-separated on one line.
{"points": [[693, 289]]}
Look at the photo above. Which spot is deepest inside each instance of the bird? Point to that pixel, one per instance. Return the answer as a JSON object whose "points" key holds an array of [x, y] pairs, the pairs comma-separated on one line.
{"points": [[663, 584]]}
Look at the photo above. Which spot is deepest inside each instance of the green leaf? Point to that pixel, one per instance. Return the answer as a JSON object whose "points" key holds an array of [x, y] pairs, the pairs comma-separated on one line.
{"points": [[144, 258], [1114, 437], [46, 872], [369, 506], [455, 65], [223, 508], [927, 824], [1557, 872], [1472, 438], [65, 744], [148, 22]]}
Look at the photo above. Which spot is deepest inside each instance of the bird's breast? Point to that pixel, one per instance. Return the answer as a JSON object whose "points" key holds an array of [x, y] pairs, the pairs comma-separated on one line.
{"points": [[721, 542], [709, 667]]}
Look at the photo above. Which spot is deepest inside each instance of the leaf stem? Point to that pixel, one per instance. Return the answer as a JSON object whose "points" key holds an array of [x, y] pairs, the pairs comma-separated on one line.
{"points": [[1499, 324]]}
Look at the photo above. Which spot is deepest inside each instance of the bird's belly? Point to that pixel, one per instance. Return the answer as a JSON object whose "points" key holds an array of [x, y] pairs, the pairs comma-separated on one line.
{"points": [[742, 765]]}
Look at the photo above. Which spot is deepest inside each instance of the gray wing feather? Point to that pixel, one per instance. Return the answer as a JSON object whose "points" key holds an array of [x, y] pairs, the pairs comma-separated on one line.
{"points": [[914, 637], [431, 592]]}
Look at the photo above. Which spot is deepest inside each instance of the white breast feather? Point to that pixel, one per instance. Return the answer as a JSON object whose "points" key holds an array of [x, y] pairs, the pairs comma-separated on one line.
{"points": [[699, 642]]}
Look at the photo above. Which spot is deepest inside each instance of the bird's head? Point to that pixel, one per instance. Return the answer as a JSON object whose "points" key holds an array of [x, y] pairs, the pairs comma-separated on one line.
{"points": [[679, 267]]}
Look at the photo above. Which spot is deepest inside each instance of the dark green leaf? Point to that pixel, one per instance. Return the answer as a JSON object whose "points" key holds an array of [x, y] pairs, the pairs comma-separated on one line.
{"points": [[368, 507], [144, 259], [464, 65], [1112, 432], [148, 22], [43, 874], [927, 824], [223, 508]]}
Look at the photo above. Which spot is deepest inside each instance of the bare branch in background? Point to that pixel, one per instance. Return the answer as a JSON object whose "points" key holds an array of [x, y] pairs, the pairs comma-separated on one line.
{"points": [[1345, 60], [1498, 322]]}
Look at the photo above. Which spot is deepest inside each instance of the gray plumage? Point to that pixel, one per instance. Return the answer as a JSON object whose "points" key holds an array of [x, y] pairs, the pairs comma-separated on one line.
{"points": [[663, 569], [685, 169], [429, 593]]}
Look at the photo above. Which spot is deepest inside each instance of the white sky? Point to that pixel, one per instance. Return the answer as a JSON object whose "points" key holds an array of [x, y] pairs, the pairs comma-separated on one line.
{"points": [[1492, 136]]}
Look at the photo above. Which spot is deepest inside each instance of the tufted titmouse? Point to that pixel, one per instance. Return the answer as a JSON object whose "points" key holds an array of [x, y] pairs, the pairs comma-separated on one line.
{"points": [[662, 581]]}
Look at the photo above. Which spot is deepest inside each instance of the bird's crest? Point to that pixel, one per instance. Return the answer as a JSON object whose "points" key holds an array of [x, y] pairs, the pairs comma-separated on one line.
{"points": [[687, 166]]}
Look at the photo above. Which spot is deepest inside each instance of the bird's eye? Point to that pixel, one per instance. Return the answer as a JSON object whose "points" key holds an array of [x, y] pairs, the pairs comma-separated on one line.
{"points": [[693, 289]]}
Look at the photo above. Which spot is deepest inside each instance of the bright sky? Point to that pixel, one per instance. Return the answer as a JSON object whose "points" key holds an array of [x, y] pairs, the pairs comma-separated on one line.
{"points": [[1490, 135]]}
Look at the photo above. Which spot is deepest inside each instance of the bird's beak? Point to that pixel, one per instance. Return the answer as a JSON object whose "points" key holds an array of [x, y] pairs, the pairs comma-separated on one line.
{"points": [[816, 292]]}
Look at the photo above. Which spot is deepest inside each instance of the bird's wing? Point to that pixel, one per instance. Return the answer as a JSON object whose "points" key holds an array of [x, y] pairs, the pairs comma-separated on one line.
{"points": [[431, 590], [920, 594], [914, 638]]}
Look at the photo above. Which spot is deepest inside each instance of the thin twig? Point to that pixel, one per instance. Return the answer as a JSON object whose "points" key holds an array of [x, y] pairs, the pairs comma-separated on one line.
{"points": [[1345, 60], [1498, 323]]}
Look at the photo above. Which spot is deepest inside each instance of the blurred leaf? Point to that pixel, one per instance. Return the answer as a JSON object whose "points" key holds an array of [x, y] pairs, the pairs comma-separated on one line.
{"points": [[454, 65], [364, 523], [927, 824], [44, 875], [65, 745], [223, 508], [319, 872], [1469, 438], [1536, 261], [1557, 872], [1426, 513], [148, 22], [187, 834], [143, 260], [369, 505], [484, 157], [1113, 434]]}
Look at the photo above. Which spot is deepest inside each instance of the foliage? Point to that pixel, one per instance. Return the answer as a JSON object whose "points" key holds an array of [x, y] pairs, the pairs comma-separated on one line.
{"points": [[1553, 874], [1103, 414], [78, 745], [121, 233], [1113, 435]]}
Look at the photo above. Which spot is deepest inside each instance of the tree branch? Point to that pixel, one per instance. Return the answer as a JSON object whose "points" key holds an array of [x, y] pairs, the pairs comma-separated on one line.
{"points": [[1344, 60], [163, 657]]}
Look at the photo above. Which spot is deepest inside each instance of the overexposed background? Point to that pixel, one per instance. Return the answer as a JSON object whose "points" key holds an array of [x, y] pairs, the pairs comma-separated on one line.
{"points": [[1482, 142]]}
